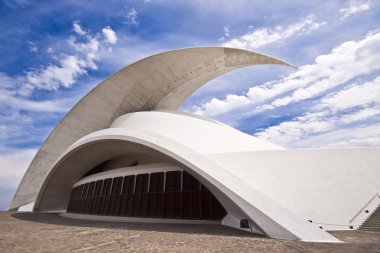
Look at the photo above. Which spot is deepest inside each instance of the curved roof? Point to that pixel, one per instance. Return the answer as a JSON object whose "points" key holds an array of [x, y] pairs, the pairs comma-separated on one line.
{"points": [[161, 81], [197, 133], [180, 140]]}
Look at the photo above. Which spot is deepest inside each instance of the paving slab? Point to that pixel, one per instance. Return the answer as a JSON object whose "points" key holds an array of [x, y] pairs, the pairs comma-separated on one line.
{"points": [[42, 232]]}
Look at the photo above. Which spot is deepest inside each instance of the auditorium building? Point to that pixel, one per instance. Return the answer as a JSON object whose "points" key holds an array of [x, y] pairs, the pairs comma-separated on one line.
{"points": [[125, 153]]}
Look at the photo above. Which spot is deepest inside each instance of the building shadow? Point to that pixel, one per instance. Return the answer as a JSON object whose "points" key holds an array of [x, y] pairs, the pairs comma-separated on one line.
{"points": [[55, 219]]}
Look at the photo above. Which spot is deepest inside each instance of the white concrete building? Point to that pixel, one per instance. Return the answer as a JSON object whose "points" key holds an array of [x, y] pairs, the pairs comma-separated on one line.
{"points": [[125, 153]]}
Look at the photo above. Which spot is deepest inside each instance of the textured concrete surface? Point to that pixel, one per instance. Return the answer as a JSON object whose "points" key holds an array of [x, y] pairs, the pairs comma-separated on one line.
{"points": [[26, 232], [240, 199], [158, 82]]}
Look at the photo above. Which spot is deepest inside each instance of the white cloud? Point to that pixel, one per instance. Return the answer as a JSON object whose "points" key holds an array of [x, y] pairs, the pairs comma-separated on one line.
{"points": [[216, 106], [226, 31], [342, 112], [362, 136], [363, 114], [354, 6], [19, 103], [54, 76], [64, 73], [322, 131], [88, 50], [291, 133], [32, 47], [17, 3], [132, 17], [354, 95], [337, 101], [226, 34], [109, 35], [6, 82], [345, 62], [16, 100], [13, 165], [78, 29], [264, 36]]}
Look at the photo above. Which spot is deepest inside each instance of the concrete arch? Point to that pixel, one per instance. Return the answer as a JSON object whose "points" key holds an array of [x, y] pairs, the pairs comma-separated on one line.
{"points": [[270, 217], [161, 81]]}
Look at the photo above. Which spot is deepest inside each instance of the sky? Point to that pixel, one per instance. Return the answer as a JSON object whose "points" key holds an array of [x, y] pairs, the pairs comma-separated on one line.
{"points": [[54, 52]]}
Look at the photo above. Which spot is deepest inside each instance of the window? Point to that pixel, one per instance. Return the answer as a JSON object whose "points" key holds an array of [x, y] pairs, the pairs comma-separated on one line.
{"points": [[174, 194]]}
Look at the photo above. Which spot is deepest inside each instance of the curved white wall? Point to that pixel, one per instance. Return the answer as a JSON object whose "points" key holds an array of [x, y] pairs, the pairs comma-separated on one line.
{"points": [[327, 186], [161, 81], [172, 135], [203, 135]]}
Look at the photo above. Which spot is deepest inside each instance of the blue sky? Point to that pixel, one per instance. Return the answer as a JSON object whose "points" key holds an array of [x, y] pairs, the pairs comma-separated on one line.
{"points": [[54, 52]]}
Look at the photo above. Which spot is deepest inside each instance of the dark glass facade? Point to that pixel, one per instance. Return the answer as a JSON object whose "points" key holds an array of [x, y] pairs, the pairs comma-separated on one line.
{"points": [[172, 194]]}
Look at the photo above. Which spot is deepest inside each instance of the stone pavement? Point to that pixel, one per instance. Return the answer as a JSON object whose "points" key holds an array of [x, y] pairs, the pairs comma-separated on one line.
{"points": [[27, 232]]}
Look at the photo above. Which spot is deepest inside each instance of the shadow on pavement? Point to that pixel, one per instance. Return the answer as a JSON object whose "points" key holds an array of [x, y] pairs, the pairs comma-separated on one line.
{"points": [[53, 218]]}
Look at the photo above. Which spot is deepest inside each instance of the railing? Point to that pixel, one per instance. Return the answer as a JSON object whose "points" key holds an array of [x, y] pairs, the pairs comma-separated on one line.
{"points": [[364, 207]]}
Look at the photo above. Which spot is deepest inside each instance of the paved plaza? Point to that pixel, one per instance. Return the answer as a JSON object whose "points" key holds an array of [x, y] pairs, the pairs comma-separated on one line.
{"points": [[27, 232]]}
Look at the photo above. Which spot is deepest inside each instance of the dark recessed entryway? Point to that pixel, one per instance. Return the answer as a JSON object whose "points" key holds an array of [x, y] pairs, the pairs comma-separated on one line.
{"points": [[173, 194]]}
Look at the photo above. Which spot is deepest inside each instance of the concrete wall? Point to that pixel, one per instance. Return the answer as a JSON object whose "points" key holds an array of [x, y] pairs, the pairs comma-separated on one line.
{"points": [[327, 186], [162, 81], [127, 161], [199, 133], [179, 146], [126, 171]]}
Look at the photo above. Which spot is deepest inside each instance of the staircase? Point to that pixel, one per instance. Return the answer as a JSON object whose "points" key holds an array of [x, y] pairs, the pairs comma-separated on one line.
{"points": [[373, 222]]}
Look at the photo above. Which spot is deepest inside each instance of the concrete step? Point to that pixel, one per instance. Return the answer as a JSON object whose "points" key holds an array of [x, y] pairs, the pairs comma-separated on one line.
{"points": [[373, 222], [371, 230], [371, 225]]}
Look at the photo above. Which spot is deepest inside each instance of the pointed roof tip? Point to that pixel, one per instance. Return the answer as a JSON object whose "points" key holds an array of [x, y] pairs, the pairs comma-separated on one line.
{"points": [[291, 65], [161, 81], [277, 60], [287, 64], [282, 62]]}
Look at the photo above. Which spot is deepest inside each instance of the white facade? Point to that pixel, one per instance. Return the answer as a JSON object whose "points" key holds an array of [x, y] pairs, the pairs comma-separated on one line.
{"points": [[285, 194]]}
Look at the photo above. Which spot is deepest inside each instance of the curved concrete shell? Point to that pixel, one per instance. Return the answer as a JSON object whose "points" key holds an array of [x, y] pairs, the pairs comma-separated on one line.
{"points": [[161, 81], [128, 124], [179, 138]]}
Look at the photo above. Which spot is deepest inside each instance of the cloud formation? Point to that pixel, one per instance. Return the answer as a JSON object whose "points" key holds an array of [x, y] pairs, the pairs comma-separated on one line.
{"points": [[132, 17], [347, 112], [264, 36], [354, 6], [32, 46], [78, 29], [69, 66], [18, 100], [16, 3], [337, 100], [13, 166], [109, 35], [345, 62]]}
